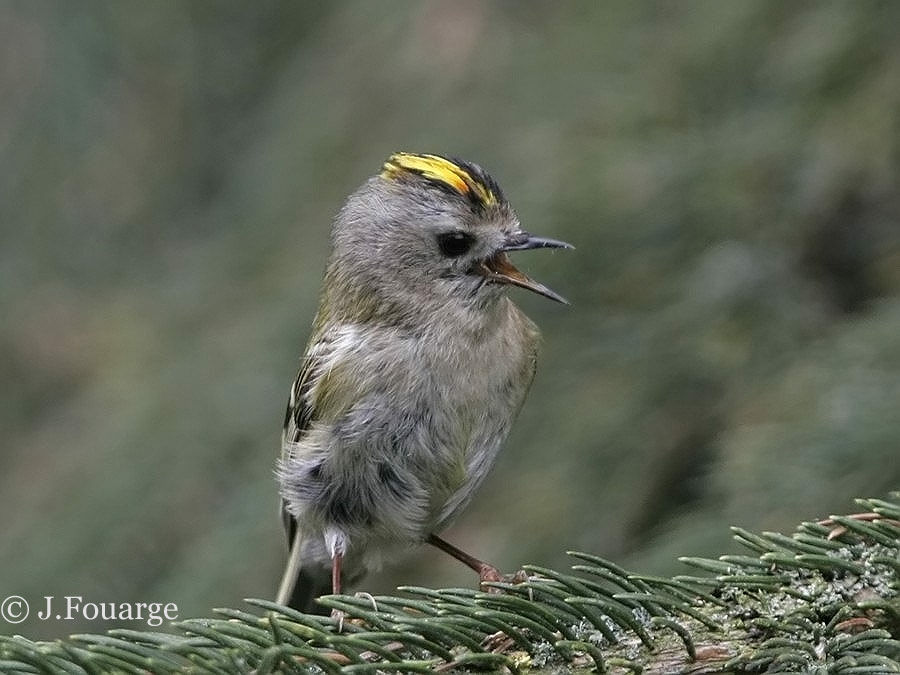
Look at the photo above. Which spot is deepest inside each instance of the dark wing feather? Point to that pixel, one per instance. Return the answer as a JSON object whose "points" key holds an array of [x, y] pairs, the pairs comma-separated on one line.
{"points": [[298, 415], [297, 418]]}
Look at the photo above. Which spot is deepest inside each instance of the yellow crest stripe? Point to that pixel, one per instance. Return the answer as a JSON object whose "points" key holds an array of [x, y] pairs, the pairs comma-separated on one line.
{"points": [[439, 169]]}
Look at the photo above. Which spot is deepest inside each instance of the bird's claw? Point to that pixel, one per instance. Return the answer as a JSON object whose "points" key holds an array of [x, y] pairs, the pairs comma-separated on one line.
{"points": [[490, 574], [338, 617]]}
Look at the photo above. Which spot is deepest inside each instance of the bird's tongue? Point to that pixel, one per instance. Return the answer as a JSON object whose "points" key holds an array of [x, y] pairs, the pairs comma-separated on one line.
{"points": [[502, 270], [502, 266]]}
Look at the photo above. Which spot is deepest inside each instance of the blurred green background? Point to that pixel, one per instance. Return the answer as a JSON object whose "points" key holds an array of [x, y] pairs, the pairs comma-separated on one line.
{"points": [[727, 170]]}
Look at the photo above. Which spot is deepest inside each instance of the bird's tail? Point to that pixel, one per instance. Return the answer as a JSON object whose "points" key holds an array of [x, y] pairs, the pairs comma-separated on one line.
{"points": [[300, 587]]}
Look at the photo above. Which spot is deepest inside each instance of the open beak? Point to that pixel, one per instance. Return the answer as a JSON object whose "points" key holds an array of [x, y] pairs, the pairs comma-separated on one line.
{"points": [[499, 267]]}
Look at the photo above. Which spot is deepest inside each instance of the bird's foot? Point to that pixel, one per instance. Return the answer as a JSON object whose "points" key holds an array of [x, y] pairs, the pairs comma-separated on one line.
{"points": [[338, 617], [490, 574]]}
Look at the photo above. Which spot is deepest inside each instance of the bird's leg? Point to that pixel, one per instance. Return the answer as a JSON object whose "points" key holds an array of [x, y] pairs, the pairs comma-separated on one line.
{"points": [[486, 572], [337, 614], [336, 561]]}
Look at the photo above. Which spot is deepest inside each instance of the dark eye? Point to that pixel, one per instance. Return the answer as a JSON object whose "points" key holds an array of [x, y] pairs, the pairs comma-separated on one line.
{"points": [[455, 244]]}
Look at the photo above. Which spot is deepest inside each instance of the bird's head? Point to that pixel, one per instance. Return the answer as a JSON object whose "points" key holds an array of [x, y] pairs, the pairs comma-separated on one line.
{"points": [[430, 229]]}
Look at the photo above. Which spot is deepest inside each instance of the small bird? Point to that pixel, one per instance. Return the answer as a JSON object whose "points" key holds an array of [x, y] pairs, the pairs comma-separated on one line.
{"points": [[417, 365]]}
